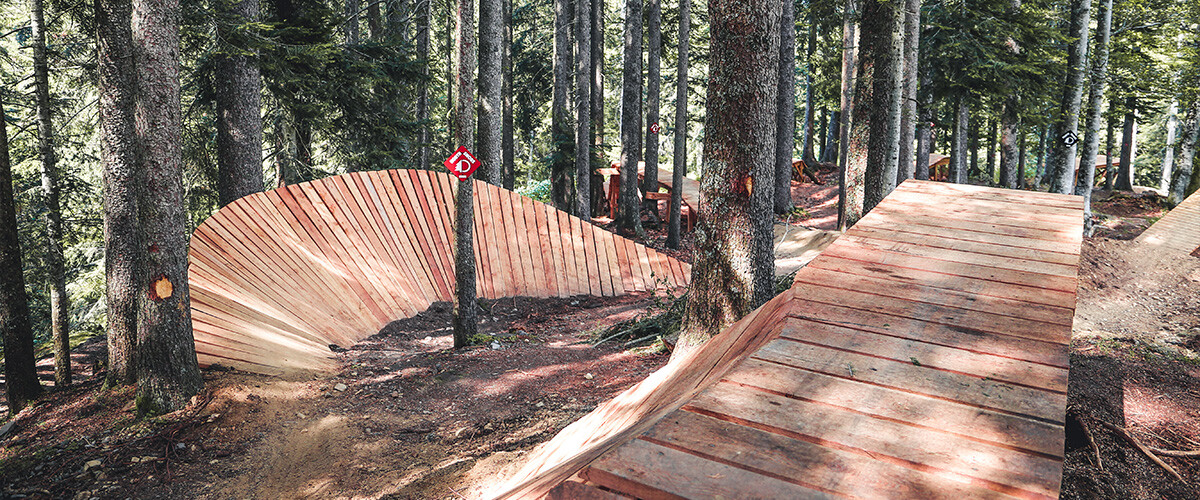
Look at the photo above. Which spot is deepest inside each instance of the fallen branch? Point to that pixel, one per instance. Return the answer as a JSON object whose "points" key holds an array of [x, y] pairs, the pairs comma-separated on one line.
{"points": [[1087, 432], [1176, 453], [1141, 447]]}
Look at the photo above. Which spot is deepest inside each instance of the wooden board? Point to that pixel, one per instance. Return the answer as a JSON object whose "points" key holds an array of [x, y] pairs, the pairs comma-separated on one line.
{"points": [[932, 365], [277, 277], [1178, 231]]}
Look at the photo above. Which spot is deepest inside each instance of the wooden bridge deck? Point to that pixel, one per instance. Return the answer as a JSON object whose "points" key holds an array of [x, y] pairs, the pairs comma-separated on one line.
{"points": [[276, 277], [922, 355], [1179, 230]]}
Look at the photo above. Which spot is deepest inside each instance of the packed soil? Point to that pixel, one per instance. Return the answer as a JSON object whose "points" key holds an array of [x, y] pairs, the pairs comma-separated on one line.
{"points": [[406, 416]]}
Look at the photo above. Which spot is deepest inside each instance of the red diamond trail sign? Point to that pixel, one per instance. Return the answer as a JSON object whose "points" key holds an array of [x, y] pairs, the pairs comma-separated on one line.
{"points": [[654, 128], [462, 163]]}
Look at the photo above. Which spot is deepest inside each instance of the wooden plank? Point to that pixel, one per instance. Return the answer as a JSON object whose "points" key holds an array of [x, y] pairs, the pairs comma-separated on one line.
{"points": [[1035, 198], [998, 468], [812, 465], [441, 244], [925, 227], [363, 188], [643, 264], [572, 490], [992, 198], [355, 241], [885, 239], [927, 216], [1007, 213], [591, 258], [524, 246], [536, 276], [384, 189], [634, 264], [568, 245], [581, 267], [604, 269], [647, 470], [623, 264], [549, 275], [493, 224], [562, 284], [614, 266], [420, 232]]}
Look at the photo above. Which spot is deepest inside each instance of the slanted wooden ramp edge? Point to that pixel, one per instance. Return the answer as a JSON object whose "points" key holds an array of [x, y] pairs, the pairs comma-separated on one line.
{"points": [[922, 355], [276, 277], [1179, 230]]}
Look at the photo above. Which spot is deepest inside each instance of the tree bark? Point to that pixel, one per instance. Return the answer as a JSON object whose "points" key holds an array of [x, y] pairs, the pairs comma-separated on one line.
{"points": [[847, 181], [167, 371], [583, 110], [60, 329], [829, 151], [1021, 158], [734, 269], [20, 372], [628, 217], [350, 24], [991, 151], [906, 168], [876, 124], [1186, 171], [1124, 181], [1061, 167], [1010, 122], [598, 71], [1040, 172], [973, 148], [123, 267], [679, 154], [465, 324], [424, 23], [1091, 135], [653, 20], [785, 111], [1164, 182], [239, 108], [806, 151], [375, 20], [1109, 173], [491, 79], [561, 185], [957, 173], [508, 165]]}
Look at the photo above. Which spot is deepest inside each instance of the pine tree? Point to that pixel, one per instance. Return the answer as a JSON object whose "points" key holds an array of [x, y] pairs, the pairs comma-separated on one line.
{"points": [[785, 110], [1091, 137], [628, 216], [562, 189], [1061, 166], [20, 374], [465, 323], [491, 79], [239, 106], [583, 109], [679, 154], [653, 89], [908, 109]]}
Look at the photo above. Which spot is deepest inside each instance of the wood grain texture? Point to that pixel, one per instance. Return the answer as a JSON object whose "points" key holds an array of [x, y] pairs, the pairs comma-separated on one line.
{"points": [[1178, 231], [277, 277], [912, 359]]}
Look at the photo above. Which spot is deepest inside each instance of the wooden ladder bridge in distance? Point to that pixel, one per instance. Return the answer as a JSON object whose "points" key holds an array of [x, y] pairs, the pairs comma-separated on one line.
{"points": [[277, 277], [1178, 231], [924, 355]]}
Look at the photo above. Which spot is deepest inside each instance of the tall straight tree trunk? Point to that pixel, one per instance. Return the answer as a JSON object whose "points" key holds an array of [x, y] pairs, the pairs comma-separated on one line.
{"points": [[351, 23], [628, 218], [508, 164], [1110, 174], [1091, 134], [123, 267], [375, 20], [424, 23], [1042, 147], [1186, 171], [991, 150], [1021, 150], [806, 151], [583, 110], [465, 324], [1010, 123], [829, 151], [957, 173], [785, 111], [1125, 173], [846, 180], [908, 110], [1061, 167], [491, 79], [876, 136], [822, 132], [973, 148], [734, 269], [1169, 156], [561, 186], [924, 123], [60, 330], [679, 154], [598, 71], [21, 383], [653, 90], [167, 372], [451, 17], [239, 109]]}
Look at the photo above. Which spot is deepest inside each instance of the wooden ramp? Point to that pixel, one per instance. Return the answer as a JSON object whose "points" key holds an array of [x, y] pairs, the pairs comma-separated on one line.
{"points": [[1179, 230], [277, 277], [922, 355]]}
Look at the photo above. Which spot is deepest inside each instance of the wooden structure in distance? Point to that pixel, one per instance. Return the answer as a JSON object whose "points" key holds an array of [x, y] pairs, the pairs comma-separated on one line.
{"points": [[1178, 231], [277, 277], [922, 355]]}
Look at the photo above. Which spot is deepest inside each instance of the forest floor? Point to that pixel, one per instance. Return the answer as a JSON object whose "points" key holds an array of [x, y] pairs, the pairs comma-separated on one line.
{"points": [[407, 417]]}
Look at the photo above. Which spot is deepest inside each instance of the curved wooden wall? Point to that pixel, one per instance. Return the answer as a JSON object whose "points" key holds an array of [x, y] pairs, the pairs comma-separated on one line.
{"points": [[277, 277]]}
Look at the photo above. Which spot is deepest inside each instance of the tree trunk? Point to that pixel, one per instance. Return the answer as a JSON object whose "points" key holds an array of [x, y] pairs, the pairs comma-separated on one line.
{"points": [[924, 123], [491, 79], [973, 148], [1124, 180], [424, 23], [60, 330], [561, 185], [1169, 156], [734, 269], [991, 151], [1109, 173], [679, 154], [628, 218], [822, 131], [350, 24], [598, 71], [785, 111], [788, 61], [958, 147], [653, 83], [167, 371], [118, 159], [465, 324], [20, 373], [1061, 167], [583, 110], [877, 100], [1040, 172], [1010, 122], [848, 181], [1021, 159], [1185, 173], [375, 20], [239, 109], [508, 165], [908, 111], [1091, 135], [829, 151]]}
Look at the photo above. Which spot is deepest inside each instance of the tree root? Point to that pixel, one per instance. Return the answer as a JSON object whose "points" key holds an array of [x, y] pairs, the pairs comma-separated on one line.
{"points": [[1142, 448]]}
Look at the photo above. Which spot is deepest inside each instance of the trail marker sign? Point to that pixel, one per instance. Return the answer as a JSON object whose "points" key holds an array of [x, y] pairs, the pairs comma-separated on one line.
{"points": [[1069, 139], [462, 163], [654, 128]]}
